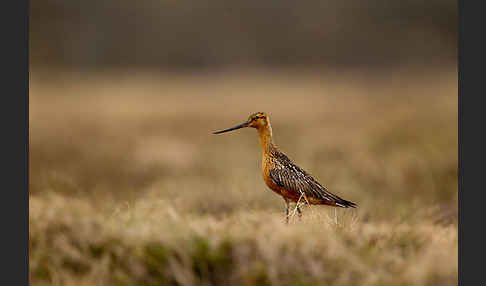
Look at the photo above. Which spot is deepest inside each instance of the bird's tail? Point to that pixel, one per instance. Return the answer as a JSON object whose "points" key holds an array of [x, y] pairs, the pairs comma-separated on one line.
{"points": [[345, 204]]}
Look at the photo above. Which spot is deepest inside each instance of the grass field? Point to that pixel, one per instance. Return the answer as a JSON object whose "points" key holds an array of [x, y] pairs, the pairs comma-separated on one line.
{"points": [[129, 187]]}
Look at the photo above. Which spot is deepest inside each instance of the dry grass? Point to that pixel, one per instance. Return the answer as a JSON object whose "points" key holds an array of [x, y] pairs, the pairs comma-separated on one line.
{"points": [[128, 186]]}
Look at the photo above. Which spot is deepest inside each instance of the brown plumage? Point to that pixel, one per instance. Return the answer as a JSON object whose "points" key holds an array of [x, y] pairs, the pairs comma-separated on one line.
{"points": [[284, 177]]}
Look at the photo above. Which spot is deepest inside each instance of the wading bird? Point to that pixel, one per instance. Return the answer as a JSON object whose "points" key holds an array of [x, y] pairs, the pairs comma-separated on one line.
{"points": [[284, 177]]}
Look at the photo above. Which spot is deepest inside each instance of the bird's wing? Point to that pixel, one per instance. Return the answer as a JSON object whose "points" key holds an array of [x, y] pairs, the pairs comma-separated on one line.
{"points": [[290, 176]]}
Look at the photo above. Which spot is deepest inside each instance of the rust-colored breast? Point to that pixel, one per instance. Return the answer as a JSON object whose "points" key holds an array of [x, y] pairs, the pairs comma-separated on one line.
{"points": [[268, 163]]}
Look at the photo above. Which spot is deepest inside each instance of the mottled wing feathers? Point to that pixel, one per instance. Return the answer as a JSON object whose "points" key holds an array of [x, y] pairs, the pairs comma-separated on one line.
{"points": [[291, 177]]}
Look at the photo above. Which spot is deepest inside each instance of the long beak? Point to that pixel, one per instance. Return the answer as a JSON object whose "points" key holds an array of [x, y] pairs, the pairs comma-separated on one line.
{"points": [[242, 125]]}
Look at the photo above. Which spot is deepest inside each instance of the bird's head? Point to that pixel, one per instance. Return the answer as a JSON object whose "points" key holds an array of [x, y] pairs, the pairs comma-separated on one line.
{"points": [[256, 120]]}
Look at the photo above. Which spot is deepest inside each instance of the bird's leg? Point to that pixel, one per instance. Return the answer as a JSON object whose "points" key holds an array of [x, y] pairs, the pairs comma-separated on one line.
{"points": [[286, 210], [297, 206]]}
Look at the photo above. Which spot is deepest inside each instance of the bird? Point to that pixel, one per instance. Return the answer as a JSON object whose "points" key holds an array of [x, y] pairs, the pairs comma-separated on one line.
{"points": [[283, 176]]}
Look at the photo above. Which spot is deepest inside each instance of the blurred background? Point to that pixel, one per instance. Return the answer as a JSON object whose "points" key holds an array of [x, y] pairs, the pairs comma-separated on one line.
{"points": [[200, 35], [129, 187]]}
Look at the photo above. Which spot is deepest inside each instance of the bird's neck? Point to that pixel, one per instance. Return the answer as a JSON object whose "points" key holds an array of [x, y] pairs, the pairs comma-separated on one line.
{"points": [[266, 138]]}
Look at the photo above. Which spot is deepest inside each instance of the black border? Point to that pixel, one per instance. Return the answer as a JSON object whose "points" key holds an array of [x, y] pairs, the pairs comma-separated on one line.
{"points": [[460, 88], [14, 213], [471, 142], [26, 63]]}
